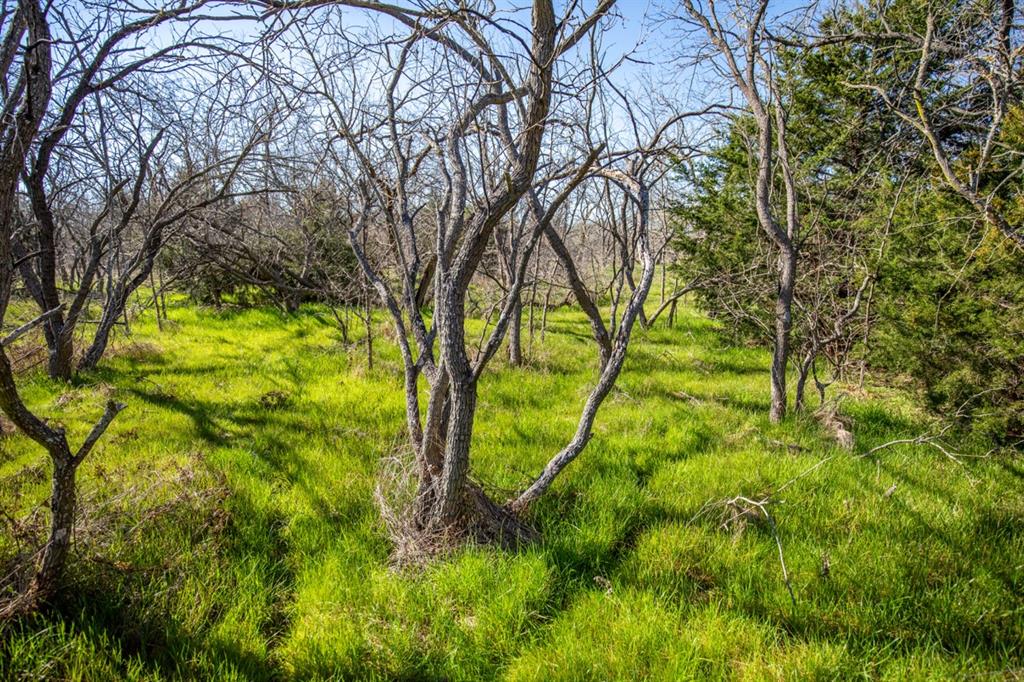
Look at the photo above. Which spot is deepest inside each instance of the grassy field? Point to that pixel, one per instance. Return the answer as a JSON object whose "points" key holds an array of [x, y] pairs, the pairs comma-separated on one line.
{"points": [[229, 529]]}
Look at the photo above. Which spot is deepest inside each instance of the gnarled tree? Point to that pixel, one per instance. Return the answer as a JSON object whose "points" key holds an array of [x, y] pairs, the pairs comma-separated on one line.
{"points": [[27, 35], [472, 123]]}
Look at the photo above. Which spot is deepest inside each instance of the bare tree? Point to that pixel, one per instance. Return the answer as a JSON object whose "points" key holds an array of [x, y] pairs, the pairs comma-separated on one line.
{"points": [[28, 33], [59, 64], [745, 52], [103, 52], [462, 130]]}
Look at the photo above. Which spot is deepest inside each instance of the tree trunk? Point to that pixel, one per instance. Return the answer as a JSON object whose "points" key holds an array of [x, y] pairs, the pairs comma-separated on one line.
{"points": [[450, 489], [544, 312], [533, 298], [369, 335], [63, 500], [515, 335], [801, 382], [115, 307], [156, 303], [62, 353], [783, 327], [100, 340]]}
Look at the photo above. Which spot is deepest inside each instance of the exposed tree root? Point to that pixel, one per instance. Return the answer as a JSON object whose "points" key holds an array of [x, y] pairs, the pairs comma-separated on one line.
{"points": [[494, 524]]}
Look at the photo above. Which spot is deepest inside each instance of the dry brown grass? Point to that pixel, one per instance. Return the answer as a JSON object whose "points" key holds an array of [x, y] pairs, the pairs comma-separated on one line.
{"points": [[414, 543], [131, 349]]}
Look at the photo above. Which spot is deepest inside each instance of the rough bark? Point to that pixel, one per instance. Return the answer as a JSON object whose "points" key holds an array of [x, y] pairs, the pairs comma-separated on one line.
{"points": [[613, 366], [17, 136], [783, 328], [515, 336]]}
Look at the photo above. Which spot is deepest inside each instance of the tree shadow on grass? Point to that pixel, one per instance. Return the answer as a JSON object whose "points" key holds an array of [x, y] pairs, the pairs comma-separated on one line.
{"points": [[1010, 467], [203, 414], [129, 637], [917, 623]]}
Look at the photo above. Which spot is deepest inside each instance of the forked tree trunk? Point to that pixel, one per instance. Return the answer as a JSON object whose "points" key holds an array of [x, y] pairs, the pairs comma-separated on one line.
{"points": [[116, 305], [63, 500], [448, 502]]}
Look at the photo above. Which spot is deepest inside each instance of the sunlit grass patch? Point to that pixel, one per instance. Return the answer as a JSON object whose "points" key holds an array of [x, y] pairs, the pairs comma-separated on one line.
{"points": [[250, 547]]}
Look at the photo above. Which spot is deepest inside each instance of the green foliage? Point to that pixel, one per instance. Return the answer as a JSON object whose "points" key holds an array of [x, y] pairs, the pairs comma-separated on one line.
{"points": [[228, 535], [833, 142], [946, 291], [950, 306]]}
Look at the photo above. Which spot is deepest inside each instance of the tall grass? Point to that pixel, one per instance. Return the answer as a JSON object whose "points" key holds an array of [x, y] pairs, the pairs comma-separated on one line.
{"points": [[229, 531]]}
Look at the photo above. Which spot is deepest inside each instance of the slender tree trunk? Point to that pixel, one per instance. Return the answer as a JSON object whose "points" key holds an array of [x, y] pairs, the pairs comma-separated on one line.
{"points": [[531, 323], [369, 335], [617, 283], [866, 339], [544, 313], [62, 353], [783, 327], [533, 297], [672, 310], [515, 336], [115, 307], [801, 382], [664, 267], [156, 302], [579, 289], [63, 501]]}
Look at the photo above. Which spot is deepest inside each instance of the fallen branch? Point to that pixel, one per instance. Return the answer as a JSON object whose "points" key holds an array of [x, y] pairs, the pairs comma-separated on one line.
{"points": [[683, 395], [735, 503], [741, 507], [792, 447], [28, 326], [931, 439]]}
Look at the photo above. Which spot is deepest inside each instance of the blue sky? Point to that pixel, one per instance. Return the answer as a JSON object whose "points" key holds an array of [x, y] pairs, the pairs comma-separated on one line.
{"points": [[660, 66]]}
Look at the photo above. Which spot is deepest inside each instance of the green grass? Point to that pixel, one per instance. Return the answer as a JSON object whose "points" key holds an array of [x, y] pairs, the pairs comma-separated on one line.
{"points": [[229, 537]]}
